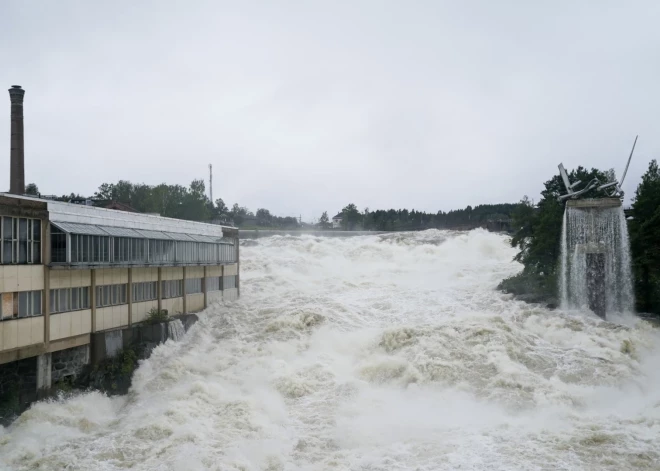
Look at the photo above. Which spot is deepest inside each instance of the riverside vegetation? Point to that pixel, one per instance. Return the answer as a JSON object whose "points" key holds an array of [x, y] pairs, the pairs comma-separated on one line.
{"points": [[537, 233]]}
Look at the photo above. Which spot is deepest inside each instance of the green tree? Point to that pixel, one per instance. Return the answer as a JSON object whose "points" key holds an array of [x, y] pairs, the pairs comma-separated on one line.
{"points": [[264, 218], [351, 217], [324, 220], [32, 189], [645, 240], [221, 207]]}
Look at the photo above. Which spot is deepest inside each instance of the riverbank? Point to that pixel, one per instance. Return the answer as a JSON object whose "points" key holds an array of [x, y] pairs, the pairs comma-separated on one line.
{"points": [[533, 289]]}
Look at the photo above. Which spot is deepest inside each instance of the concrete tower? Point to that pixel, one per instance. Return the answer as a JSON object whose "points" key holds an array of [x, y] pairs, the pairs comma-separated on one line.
{"points": [[17, 171]]}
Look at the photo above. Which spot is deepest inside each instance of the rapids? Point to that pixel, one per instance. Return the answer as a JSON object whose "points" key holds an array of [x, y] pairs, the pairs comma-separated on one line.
{"points": [[388, 352]]}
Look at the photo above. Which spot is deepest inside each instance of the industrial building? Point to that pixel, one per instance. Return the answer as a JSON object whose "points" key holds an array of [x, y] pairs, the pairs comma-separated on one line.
{"points": [[71, 271]]}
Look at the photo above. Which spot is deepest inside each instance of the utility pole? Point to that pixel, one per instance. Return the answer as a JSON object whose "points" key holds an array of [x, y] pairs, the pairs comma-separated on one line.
{"points": [[211, 181]]}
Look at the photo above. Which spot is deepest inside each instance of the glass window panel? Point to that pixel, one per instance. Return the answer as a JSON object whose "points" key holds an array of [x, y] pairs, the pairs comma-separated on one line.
{"points": [[22, 252], [23, 308], [36, 303], [62, 304], [6, 227], [6, 252], [36, 229], [23, 229], [84, 298], [96, 248], [36, 252], [75, 299]]}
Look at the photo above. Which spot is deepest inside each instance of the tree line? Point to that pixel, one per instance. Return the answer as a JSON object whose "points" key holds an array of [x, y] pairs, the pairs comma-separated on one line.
{"points": [[405, 220], [192, 203], [537, 235]]}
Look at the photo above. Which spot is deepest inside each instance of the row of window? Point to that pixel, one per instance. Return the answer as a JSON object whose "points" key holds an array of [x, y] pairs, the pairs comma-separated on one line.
{"points": [[145, 291], [22, 304], [111, 295], [20, 240], [106, 249], [194, 286], [172, 289], [28, 303], [69, 299]]}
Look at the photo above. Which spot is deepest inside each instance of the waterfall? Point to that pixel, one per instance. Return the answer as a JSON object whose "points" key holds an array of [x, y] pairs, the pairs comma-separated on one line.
{"points": [[595, 268], [175, 330]]}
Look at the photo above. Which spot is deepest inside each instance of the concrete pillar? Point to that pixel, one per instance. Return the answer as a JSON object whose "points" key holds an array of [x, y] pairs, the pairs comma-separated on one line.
{"points": [[222, 281], [45, 298], [185, 294], [238, 268], [92, 298], [44, 365], [204, 288], [159, 289], [129, 293], [17, 154]]}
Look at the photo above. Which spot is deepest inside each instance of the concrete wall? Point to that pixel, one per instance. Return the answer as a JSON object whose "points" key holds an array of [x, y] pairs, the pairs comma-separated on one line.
{"points": [[15, 278], [213, 271], [172, 273], [140, 310], [195, 302], [214, 297], [145, 274], [70, 278], [231, 269], [173, 305], [195, 272], [69, 363], [21, 332], [70, 324], [111, 276], [111, 317], [230, 294]]}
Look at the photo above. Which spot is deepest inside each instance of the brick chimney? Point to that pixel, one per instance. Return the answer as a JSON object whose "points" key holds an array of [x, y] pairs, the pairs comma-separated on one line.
{"points": [[17, 171]]}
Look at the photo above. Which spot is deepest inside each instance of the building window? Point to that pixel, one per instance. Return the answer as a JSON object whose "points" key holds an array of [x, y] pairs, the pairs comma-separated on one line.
{"points": [[110, 295], [214, 283], [229, 282], [227, 253], [128, 250], [146, 291], [20, 304], [161, 251], [98, 249], [193, 285], [20, 240], [172, 289], [69, 299]]}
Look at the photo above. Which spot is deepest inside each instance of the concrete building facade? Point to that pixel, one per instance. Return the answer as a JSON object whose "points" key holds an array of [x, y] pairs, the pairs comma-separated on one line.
{"points": [[70, 271]]}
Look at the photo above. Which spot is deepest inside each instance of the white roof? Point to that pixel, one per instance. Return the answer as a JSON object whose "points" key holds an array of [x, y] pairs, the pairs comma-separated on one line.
{"points": [[60, 212]]}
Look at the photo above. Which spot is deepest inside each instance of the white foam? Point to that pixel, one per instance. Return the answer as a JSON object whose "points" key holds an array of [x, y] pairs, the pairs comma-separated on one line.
{"points": [[376, 352]]}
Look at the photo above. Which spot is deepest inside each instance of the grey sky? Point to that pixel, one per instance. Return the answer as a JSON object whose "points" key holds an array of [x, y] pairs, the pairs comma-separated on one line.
{"points": [[303, 107]]}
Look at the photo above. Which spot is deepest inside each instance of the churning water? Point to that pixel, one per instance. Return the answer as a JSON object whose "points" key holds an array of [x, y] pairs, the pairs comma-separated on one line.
{"points": [[370, 353], [603, 231], [175, 330]]}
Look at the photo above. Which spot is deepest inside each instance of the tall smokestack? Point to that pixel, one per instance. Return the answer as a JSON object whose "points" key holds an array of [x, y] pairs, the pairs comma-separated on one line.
{"points": [[17, 172]]}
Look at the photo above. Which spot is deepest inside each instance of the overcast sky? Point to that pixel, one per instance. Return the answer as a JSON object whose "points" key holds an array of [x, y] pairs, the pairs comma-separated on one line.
{"points": [[303, 107]]}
